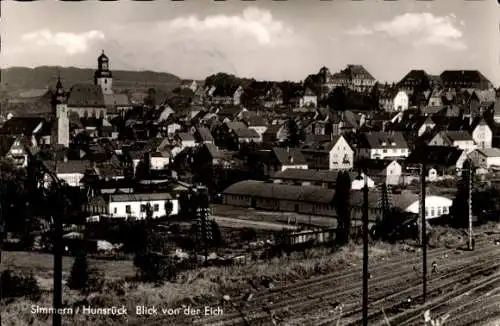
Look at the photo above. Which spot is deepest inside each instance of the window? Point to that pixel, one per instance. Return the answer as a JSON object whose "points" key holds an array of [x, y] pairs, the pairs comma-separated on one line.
{"points": [[127, 209], [433, 212], [426, 212], [143, 208], [440, 211], [156, 207], [445, 210], [115, 210], [385, 150]]}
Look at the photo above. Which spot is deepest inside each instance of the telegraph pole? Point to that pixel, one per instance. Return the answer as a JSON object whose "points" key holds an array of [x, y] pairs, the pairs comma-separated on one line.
{"points": [[365, 250], [423, 230], [58, 253], [469, 200]]}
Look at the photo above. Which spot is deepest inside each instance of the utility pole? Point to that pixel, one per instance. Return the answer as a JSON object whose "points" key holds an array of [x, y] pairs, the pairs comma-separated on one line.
{"points": [[469, 175], [423, 230], [365, 250], [58, 253]]}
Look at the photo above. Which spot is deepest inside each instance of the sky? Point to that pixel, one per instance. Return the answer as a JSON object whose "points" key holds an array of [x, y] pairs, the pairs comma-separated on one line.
{"points": [[263, 39]]}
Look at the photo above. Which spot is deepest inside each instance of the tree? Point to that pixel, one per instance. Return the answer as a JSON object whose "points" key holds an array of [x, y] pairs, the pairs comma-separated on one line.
{"points": [[79, 277], [337, 99], [341, 201], [293, 133], [459, 209]]}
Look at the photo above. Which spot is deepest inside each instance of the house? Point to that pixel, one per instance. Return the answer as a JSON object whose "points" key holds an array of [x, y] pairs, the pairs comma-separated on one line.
{"points": [[274, 133], [334, 154], [133, 205], [434, 99], [281, 159], [16, 149], [496, 110], [166, 112], [309, 99], [482, 133], [322, 178], [159, 160], [189, 84], [257, 123], [209, 154], [394, 100], [241, 133], [442, 161], [382, 145], [184, 139], [465, 79], [451, 138], [485, 158], [203, 135], [30, 127], [383, 171], [69, 171]]}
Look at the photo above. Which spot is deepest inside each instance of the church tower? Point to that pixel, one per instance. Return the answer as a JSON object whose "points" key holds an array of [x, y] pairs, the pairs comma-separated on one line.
{"points": [[60, 127], [102, 76]]}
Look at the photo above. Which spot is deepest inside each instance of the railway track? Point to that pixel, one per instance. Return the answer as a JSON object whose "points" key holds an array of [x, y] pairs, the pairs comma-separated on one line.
{"points": [[308, 295], [332, 279]]}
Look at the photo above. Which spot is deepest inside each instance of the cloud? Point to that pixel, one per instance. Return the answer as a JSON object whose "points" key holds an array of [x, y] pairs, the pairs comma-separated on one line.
{"points": [[72, 43], [253, 22], [421, 29]]}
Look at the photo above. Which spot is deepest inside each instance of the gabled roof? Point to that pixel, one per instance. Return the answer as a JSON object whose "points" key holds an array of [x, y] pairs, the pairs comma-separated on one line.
{"points": [[489, 152], [357, 71], [139, 197], [328, 176], [204, 134], [86, 95], [383, 140], [289, 156], [6, 143], [114, 100], [67, 167], [457, 135], [184, 136], [436, 155], [246, 133], [21, 125], [324, 146]]}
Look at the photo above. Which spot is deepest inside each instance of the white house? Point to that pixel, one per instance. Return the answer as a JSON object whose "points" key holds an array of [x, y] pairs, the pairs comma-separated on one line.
{"points": [[482, 134], [165, 114], [159, 160], [133, 205], [383, 145], [485, 158], [460, 139], [394, 101], [384, 171], [309, 99], [335, 154], [69, 171]]}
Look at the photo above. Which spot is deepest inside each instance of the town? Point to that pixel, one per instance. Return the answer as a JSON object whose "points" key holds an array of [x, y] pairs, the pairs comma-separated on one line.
{"points": [[232, 171]]}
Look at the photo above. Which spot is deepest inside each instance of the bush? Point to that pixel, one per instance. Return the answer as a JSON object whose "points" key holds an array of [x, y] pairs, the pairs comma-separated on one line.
{"points": [[19, 285], [82, 277], [248, 234], [154, 267]]}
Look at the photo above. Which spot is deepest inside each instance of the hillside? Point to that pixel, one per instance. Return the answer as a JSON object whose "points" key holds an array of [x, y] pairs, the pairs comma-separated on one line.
{"points": [[18, 79]]}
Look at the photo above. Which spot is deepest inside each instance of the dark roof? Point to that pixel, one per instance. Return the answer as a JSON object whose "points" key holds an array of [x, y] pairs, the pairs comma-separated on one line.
{"points": [[6, 143], [320, 145], [455, 135], [273, 129], [184, 136], [139, 197], [246, 133], [381, 139], [260, 189], [463, 76], [204, 134], [414, 76], [289, 156], [329, 176], [357, 71], [435, 155], [21, 125], [86, 95], [375, 165], [70, 166]]}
